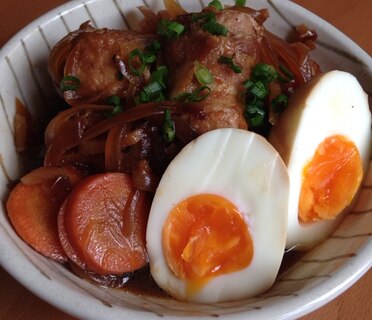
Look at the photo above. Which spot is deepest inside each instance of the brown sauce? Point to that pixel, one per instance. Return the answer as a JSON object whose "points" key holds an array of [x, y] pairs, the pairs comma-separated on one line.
{"points": [[139, 282]]}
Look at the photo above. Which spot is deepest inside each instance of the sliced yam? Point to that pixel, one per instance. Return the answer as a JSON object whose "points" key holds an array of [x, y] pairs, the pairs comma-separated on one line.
{"points": [[33, 206], [105, 223]]}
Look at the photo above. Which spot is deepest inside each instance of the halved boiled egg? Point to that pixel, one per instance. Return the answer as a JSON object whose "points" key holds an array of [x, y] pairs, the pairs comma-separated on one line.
{"points": [[324, 137], [217, 224]]}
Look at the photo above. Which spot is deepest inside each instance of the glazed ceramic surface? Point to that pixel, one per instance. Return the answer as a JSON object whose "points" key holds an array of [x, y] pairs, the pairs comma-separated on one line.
{"points": [[307, 283]]}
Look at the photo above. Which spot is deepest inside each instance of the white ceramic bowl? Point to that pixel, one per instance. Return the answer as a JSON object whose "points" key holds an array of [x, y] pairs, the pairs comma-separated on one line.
{"points": [[319, 276]]}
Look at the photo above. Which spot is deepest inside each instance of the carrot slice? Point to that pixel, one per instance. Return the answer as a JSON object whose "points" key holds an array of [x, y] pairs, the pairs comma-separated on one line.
{"points": [[65, 242], [33, 206], [105, 222]]}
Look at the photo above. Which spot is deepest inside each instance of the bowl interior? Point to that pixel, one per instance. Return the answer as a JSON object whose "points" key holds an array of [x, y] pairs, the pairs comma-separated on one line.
{"points": [[307, 281]]}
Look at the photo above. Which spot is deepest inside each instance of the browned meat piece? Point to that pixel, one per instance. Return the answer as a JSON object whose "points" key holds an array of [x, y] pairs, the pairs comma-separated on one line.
{"points": [[224, 106], [99, 59]]}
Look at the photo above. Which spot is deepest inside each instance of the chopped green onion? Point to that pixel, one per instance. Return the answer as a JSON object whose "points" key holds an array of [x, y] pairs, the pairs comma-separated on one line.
{"points": [[216, 4], [169, 130], [113, 100], [198, 95], [255, 113], [202, 73], [259, 90], [69, 83], [143, 59], [134, 55], [264, 72], [240, 3], [209, 23], [160, 75], [279, 103], [154, 90], [230, 63], [170, 29], [116, 102], [256, 88], [149, 57], [154, 47], [248, 84], [201, 93], [117, 109], [215, 28], [154, 96], [183, 97]]}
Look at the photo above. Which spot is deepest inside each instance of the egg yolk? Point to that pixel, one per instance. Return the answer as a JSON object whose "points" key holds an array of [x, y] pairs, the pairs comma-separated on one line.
{"points": [[204, 236], [330, 180]]}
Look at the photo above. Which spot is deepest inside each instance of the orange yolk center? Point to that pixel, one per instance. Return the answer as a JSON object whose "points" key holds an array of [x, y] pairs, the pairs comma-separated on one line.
{"points": [[330, 180], [205, 236]]}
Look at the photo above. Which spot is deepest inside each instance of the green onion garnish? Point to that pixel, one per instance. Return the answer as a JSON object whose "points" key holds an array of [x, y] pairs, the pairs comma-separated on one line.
{"points": [[154, 91], [230, 63], [216, 4], [69, 83], [160, 75], [215, 28], [154, 96], [255, 113], [256, 88], [170, 29], [137, 57], [149, 57], [134, 55], [264, 72], [209, 23], [154, 47], [198, 95], [202, 73], [113, 100], [259, 90], [279, 103], [153, 88], [240, 3], [117, 109], [201, 93], [169, 130], [116, 102]]}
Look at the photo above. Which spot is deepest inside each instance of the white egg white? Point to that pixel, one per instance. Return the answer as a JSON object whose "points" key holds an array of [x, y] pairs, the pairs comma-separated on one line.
{"points": [[245, 169], [331, 104]]}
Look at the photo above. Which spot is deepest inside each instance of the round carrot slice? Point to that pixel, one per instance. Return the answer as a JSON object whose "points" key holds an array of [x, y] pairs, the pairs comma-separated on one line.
{"points": [[33, 206], [105, 220], [65, 242]]}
